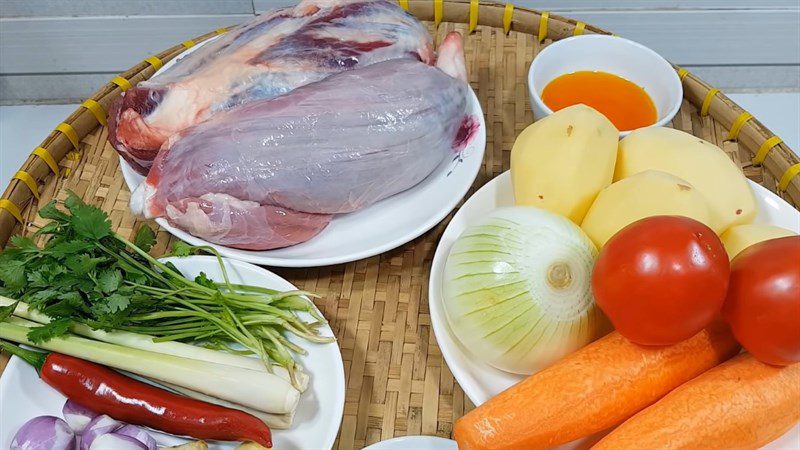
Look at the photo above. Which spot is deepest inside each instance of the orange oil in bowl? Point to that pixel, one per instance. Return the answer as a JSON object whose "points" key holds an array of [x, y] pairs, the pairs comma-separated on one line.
{"points": [[626, 104]]}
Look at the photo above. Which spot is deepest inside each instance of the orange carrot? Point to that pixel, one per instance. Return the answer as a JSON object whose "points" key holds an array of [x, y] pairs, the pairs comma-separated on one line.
{"points": [[741, 404], [595, 388]]}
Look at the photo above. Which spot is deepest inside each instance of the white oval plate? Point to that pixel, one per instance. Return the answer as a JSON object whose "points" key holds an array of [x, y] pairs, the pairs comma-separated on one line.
{"points": [[414, 443], [24, 396], [380, 227], [481, 381]]}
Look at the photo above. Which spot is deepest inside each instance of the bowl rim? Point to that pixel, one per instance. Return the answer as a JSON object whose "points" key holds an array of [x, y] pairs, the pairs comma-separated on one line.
{"points": [[671, 74]]}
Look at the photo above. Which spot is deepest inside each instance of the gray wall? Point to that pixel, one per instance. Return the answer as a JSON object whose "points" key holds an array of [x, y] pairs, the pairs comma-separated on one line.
{"points": [[62, 50]]}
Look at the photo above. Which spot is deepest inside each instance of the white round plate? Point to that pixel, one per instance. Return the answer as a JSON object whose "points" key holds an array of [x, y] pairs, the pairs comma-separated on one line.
{"points": [[414, 443], [24, 396], [380, 227], [481, 381]]}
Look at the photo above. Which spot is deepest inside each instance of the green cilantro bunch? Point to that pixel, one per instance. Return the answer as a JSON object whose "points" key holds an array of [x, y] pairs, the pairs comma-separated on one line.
{"points": [[86, 273]]}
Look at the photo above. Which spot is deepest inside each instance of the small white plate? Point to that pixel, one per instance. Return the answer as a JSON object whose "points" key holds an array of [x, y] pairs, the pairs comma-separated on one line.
{"points": [[24, 396], [481, 381], [380, 227], [414, 443]]}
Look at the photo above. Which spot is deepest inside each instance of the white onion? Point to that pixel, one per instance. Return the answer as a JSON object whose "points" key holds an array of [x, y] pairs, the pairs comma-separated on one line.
{"points": [[77, 416], [114, 441], [44, 433], [517, 289], [99, 426], [139, 434]]}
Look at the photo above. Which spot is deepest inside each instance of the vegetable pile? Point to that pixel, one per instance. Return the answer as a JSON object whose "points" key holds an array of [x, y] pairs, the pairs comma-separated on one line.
{"points": [[94, 297], [87, 274], [680, 271]]}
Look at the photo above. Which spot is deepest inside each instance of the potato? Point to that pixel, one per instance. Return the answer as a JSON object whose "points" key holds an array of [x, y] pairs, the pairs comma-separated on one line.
{"points": [[561, 162], [648, 193], [701, 163], [739, 237]]}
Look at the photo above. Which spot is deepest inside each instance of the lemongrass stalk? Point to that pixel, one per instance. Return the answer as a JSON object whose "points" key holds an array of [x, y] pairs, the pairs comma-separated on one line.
{"points": [[254, 389], [274, 421], [145, 342]]}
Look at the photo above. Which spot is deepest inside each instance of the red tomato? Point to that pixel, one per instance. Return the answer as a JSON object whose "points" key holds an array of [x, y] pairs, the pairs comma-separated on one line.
{"points": [[763, 304], [661, 279]]}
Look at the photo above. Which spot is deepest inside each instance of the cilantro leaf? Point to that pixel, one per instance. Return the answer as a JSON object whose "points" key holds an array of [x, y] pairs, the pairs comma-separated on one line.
{"points": [[109, 280], [62, 248], [40, 298], [172, 267], [73, 201], [44, 333], [12, 274], [25, 244], [118, 302], [203, 280], [49, 211], [180, 248], [112, 304], [69, 304], [6, 311], [82, 264], [145, 238], [87, 220], [49, 228]]}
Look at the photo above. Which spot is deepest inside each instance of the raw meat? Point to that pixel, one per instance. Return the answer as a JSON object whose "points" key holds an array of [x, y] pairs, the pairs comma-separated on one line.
{"points": [[268, 56], [272, 173]]}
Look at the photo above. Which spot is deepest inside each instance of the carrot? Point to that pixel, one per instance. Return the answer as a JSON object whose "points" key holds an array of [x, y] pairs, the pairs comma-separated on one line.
{"points": [[597, 387], [741, 404]]}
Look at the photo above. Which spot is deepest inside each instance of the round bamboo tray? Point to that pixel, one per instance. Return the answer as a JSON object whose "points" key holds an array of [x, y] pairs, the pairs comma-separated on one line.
{"points": [[397, 382]]}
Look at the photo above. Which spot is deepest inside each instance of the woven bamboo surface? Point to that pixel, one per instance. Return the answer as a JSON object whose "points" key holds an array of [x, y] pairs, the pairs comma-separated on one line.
{"points": [[397, 381]]}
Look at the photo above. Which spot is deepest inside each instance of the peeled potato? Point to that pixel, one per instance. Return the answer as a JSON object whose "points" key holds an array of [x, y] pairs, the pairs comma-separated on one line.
{"points": [[648, 193], [701, 163], [739, 237], [561, 162]]}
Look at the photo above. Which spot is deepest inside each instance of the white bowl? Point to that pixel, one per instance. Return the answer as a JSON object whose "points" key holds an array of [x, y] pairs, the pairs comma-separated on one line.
{"points": [[615, 55]]}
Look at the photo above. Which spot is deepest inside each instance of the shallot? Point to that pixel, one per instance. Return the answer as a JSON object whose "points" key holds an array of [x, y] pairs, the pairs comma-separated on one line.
{"points": [[44, 433], [77, 416]]}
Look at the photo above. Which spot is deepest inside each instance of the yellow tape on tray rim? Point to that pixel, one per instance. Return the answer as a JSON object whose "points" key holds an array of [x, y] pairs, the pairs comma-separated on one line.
{"points": [[48, 159], [543, 26], [762, 152], [96, 109], [12, 209], [790, 173], [737, 125], [508, 16], [29, 181]]}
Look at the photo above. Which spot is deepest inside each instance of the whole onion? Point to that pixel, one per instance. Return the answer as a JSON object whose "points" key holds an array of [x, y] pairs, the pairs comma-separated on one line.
{"points": [[44, 433], [517, 289]]}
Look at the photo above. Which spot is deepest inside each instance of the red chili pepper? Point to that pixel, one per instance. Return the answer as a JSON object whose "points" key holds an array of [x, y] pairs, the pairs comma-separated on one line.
{"points": [[106, 391]]}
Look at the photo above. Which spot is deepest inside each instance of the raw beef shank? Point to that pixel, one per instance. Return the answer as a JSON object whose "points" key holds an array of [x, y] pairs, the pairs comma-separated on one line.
{"points": [[271, 173]]}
